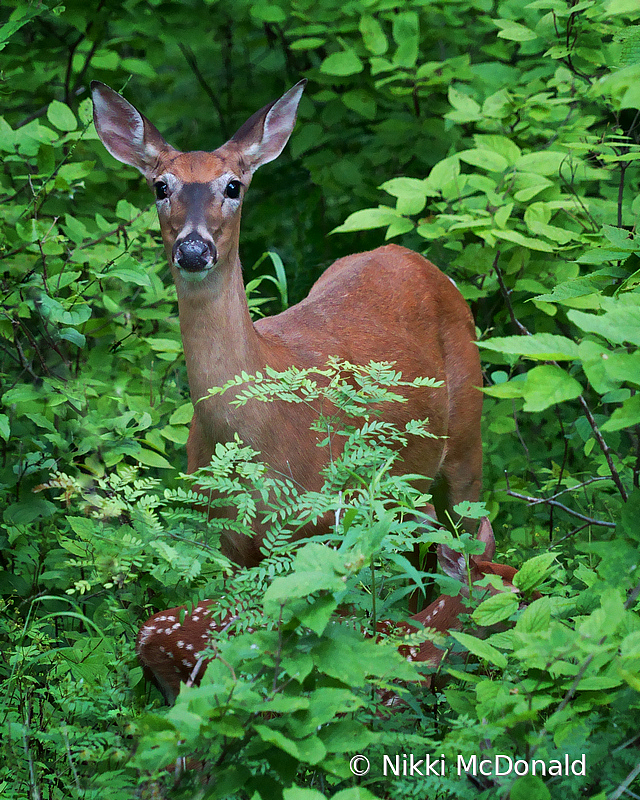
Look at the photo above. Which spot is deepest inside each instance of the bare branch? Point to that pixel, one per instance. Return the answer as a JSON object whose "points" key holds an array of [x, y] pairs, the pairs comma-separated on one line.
{"points": [[535, 501]]}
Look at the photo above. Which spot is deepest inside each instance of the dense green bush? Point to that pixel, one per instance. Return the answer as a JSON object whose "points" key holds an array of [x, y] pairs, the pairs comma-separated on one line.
{"points": [[499, 138]]}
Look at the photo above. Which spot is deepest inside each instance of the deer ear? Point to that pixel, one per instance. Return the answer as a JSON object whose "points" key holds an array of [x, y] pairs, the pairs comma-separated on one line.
{"points": [[126, 134], [264, 135], [453, 563], [485, 535]]}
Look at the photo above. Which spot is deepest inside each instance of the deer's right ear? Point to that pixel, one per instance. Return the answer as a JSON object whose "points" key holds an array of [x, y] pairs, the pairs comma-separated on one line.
{"points": [[126, 134]]}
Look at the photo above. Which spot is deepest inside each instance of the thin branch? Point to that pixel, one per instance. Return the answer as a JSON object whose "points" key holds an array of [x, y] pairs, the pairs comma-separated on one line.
{"points": [[636, 466], [623, 169], [571, 533], [580, 485], [506, 294], [605, 448], [622, 789], [535, 501], [193, 64]]}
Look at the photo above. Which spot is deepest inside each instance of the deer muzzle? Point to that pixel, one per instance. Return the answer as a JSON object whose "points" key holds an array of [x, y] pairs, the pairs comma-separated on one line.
{"points": [[193, 254]]}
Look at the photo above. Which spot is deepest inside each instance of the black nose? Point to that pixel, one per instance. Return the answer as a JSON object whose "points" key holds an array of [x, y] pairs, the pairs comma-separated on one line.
{"points": [[194, 254]]}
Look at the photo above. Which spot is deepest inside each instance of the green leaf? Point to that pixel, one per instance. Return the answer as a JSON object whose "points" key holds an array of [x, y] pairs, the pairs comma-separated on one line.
{"points": [[268, 12], [544, 162], [133, 273], [406, 32], [620, 324], [354, 793], [542, 387], [533, 572], [596, 361], [139, 66], [411, 193], [485, 159], [536, 617], [152, 459], [548, 385], [21, 394], [529, 787], [480, 648], [74, 336], [61, 116], [367, 219], [307, 43], [345, 62], [443, 173], [542, 346], [626, 416], [346, 736], [495, 609], [24, 15], [373, 36], [576, 287], [27, 511], [466, 108], [598, 683], [300, 793], [5, 428], [317, 614], [301, 584], [525, 241], [361, 102], [325, 704], [501, 145], [514, 31], [182, 415], [165, 345], [310, 750]]}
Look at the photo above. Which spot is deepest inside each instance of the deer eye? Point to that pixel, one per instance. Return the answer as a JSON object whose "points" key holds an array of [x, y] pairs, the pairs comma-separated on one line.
{"points": [[161, 189], [233, 189]]}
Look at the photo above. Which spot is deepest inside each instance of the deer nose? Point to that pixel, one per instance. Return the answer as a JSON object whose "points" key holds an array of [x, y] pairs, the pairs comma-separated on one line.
{"points": [[194, 254]]}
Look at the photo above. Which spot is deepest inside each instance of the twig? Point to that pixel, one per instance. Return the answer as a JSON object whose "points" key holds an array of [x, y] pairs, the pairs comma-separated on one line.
{"points": [[506, 294], [605, 448], [636, 466], [623, 169], [35, 790], [534, 501], [76, 777], [193, 64], [580, 485], [622, 789], [571, 533], [121, 228]]}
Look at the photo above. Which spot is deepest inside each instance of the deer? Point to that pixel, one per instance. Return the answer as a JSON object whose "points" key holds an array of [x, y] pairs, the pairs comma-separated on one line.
{"points": [[389, 304], [174, 646]]}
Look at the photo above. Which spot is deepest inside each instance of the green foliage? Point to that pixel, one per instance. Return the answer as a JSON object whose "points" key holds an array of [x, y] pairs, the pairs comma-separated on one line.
{"points": [[505, 138]]}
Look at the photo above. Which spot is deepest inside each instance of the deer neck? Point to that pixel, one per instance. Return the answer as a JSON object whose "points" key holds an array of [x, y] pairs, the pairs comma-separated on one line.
{"points": [[218, 336]]}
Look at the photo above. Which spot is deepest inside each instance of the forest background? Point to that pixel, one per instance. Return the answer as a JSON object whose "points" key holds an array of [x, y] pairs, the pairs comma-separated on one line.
{"points": [[500, 139]]}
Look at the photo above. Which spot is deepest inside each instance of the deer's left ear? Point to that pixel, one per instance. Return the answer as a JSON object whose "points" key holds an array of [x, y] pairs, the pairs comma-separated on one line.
{"points": [[126, 134], [264, 135]]}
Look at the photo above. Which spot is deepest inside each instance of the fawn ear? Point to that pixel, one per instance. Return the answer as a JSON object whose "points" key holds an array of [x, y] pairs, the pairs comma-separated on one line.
{"points": [[485, 535], [264, 135], [454, 564], [126, 134]]}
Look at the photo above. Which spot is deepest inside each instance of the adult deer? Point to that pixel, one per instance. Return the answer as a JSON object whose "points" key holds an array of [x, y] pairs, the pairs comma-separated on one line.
{"points": [[389, 304], [172, 645]]}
